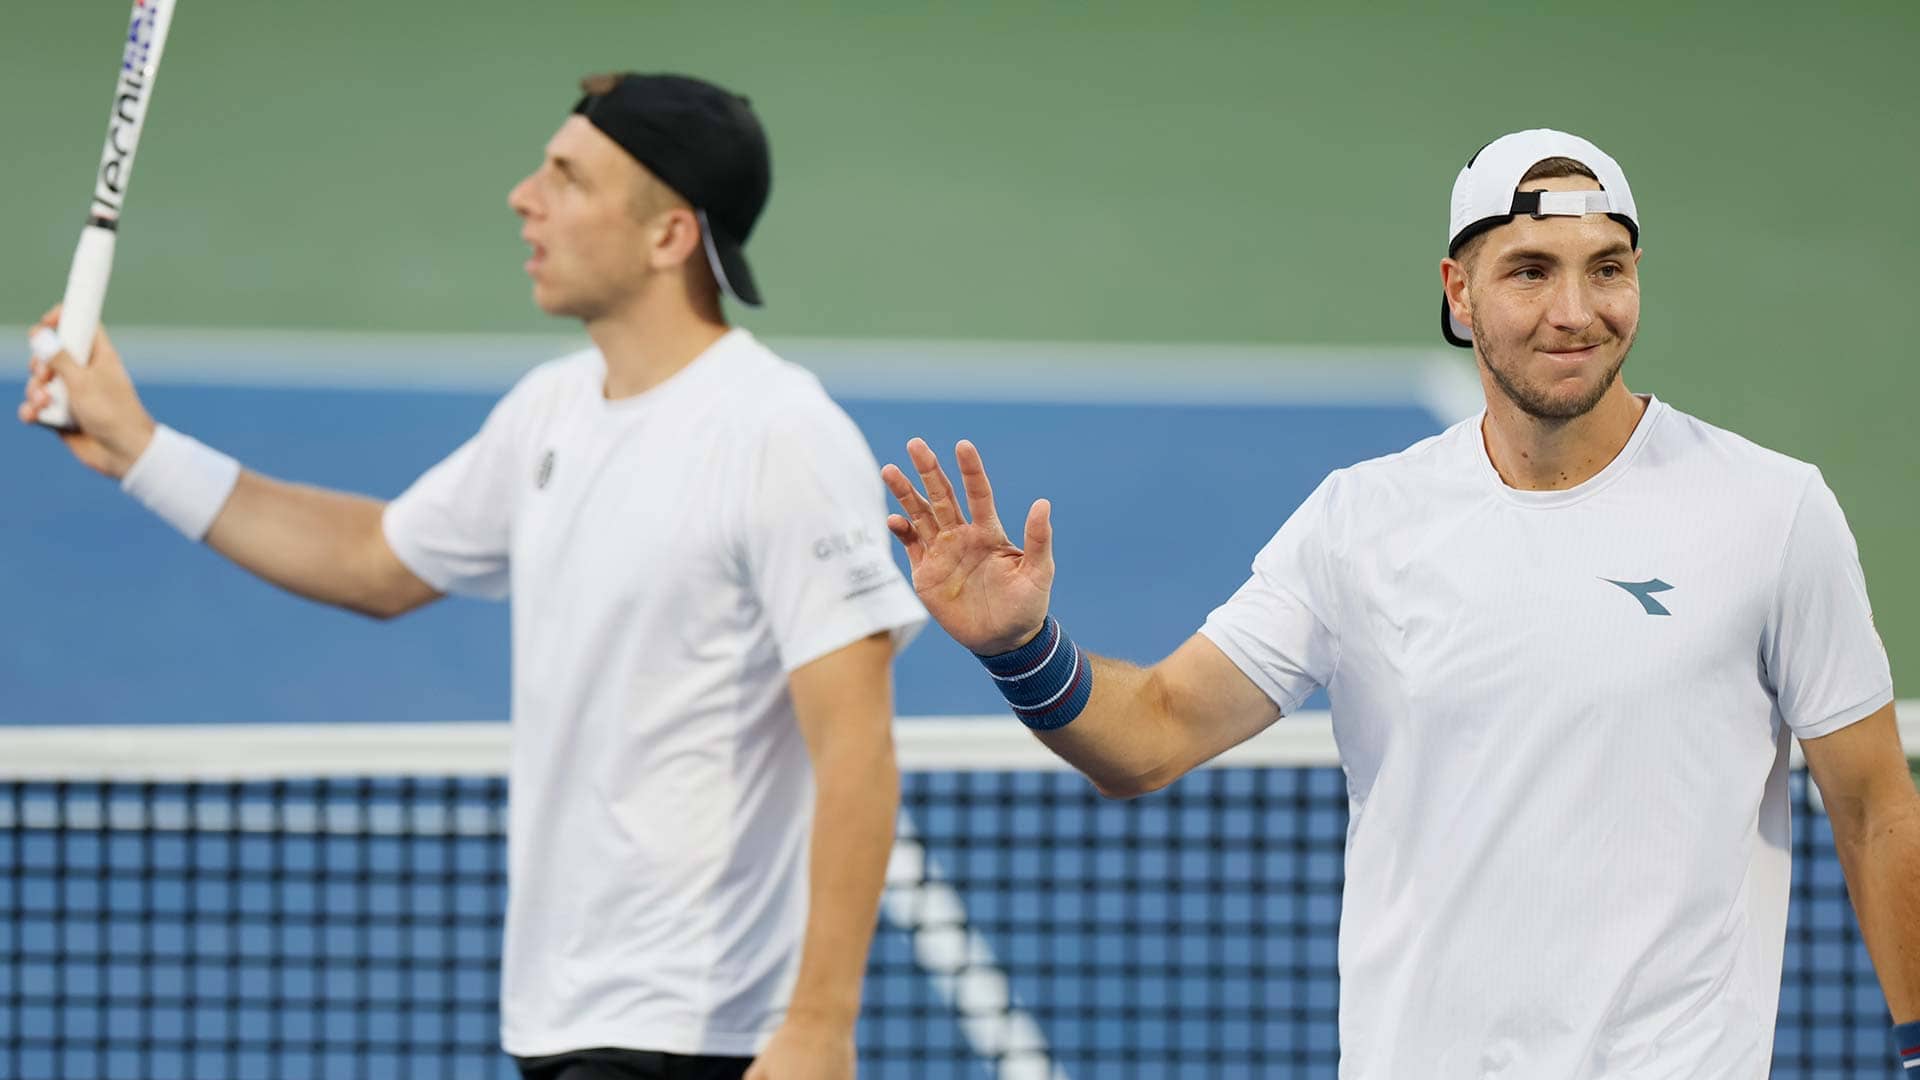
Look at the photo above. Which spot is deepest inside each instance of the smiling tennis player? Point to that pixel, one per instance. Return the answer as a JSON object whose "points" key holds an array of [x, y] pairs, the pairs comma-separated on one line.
{"points": [[1567, 643]]}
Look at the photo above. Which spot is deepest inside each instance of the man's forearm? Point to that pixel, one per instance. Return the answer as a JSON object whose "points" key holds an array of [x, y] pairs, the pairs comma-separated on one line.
{"points": [[323, 545], [857, 795], [1124, 741], [1144, 728], [1881, 856]]}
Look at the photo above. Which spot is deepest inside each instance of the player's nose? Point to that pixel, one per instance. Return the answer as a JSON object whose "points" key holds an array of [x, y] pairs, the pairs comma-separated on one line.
{"points": [[520, 198], [1571, 309]]}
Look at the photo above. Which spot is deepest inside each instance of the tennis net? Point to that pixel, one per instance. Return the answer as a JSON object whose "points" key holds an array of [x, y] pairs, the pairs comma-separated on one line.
{"points": [[326, 901]]}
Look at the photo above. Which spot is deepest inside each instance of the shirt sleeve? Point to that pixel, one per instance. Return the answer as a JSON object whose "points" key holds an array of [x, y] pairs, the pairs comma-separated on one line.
{"points": [[816, 546], [453, 527], [1280, 628], [1823, 656]]}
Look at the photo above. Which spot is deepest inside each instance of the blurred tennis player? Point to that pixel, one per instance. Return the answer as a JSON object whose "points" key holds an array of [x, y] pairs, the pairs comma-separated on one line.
{"points": [[704, 613], [1566, 643]]}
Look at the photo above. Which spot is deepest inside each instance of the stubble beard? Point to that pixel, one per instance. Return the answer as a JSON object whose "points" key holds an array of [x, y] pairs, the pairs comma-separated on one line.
{"points": [[1537, 402]]}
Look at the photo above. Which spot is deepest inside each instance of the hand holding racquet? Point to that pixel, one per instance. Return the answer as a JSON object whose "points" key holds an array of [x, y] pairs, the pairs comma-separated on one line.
{"points": [[108, 427]]}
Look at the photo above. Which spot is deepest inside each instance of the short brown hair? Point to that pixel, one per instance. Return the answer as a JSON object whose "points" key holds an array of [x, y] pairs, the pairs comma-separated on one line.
{"points": [[1551, 168], [1555, 167], [597, 85]]}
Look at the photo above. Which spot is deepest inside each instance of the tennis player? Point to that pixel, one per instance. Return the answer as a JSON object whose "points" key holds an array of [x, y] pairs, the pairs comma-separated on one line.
{"points": [[1567, 643], [704, 613]]}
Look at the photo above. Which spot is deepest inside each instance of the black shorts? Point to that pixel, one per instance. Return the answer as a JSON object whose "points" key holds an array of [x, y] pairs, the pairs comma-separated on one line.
{"points": [[609, 1063]]}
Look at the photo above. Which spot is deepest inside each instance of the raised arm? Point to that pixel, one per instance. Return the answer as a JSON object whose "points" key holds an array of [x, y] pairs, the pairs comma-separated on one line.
{"points": [[323, 545], [1141, 728]]}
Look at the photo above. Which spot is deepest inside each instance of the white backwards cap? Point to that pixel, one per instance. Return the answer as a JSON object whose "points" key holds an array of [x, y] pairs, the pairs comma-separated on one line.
{"points": [[1484, 196]]}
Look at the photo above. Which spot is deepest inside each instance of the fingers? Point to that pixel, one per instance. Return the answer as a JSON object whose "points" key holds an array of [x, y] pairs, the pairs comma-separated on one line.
{"points": [[945, 508], [64, 366], [48, 346], [919, 515], [47, 353], [44, 340], [36, 395], [926, 516], [973, 478], [37, 398], [903, 531], [103, 355], [1039, 547]]}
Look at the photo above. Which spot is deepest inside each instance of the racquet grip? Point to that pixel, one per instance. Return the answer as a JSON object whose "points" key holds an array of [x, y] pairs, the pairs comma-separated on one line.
{"points": [[80, 314], [86, 291]]}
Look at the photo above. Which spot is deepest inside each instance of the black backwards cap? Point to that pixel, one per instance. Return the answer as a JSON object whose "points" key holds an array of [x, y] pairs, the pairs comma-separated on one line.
{"points": [[704, 143]]}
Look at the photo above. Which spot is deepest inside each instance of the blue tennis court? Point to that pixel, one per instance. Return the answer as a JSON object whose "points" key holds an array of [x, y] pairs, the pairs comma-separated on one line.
{"points": [[1159, 511]]}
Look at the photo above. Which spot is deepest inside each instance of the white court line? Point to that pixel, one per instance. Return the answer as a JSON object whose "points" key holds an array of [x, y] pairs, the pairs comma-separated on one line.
{"points": [[961, 964], [1438, 379]]}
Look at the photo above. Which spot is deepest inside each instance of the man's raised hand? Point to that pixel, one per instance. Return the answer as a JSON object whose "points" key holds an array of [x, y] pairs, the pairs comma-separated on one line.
{"points": [[988, 594]]}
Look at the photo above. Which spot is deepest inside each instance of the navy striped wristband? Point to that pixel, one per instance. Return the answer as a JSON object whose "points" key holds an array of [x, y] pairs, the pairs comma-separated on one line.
{"points": [[1047, 681], [1906, 1043]]}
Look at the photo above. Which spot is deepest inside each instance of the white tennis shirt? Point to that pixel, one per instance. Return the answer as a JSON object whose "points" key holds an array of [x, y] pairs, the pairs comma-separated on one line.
{"points": [[1564, 720], [671, 557]]}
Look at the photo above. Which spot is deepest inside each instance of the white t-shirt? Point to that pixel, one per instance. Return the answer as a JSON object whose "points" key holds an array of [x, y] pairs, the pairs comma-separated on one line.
{"points": [[1564, 720], [671, 558]]}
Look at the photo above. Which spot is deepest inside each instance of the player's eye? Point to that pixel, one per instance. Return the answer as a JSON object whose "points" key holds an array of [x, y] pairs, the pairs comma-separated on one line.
{"points": [[1530, 273], [1608, 271]]}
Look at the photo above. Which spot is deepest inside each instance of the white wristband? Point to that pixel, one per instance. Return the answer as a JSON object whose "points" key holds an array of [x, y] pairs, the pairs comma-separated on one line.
{"points": [[183, 480]]}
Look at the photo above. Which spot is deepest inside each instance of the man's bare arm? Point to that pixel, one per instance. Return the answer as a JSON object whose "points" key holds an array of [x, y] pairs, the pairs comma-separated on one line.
{"points": [[324, 545], [1870, 798], [1144, 728], [843, 702]]}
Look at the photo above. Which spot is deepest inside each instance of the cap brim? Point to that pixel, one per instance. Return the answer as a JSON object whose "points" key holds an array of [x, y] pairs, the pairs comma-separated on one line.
{"points": [[1452, 329], [728, 260]]}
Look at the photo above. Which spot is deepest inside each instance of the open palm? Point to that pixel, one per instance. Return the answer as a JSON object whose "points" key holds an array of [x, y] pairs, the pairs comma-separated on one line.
{"points": [[988, 594]]}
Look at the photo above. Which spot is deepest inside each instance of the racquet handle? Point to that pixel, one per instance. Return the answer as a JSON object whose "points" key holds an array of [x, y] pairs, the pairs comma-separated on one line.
{"points": [[80, 313]]}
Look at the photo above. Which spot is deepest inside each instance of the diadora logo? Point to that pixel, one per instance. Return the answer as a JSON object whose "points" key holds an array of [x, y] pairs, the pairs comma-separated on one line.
{"points": [[1643, 591], [545, 472]]}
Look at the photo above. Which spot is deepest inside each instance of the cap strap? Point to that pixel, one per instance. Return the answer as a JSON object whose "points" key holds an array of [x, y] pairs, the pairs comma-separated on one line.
{"points": [[713, 256], [1562, 203]]}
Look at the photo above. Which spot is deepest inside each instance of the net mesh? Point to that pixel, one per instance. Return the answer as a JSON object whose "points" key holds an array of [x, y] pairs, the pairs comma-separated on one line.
{"points": [[348, 926]]}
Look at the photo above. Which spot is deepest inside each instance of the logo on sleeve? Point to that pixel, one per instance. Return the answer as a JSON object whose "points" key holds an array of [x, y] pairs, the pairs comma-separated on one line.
{"points": [[1643, 591], [545, 472], [841, 544]]}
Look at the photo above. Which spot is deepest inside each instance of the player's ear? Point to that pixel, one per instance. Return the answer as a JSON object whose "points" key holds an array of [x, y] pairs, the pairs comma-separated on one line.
{"points": [[675, 237], [1453, 283]]}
